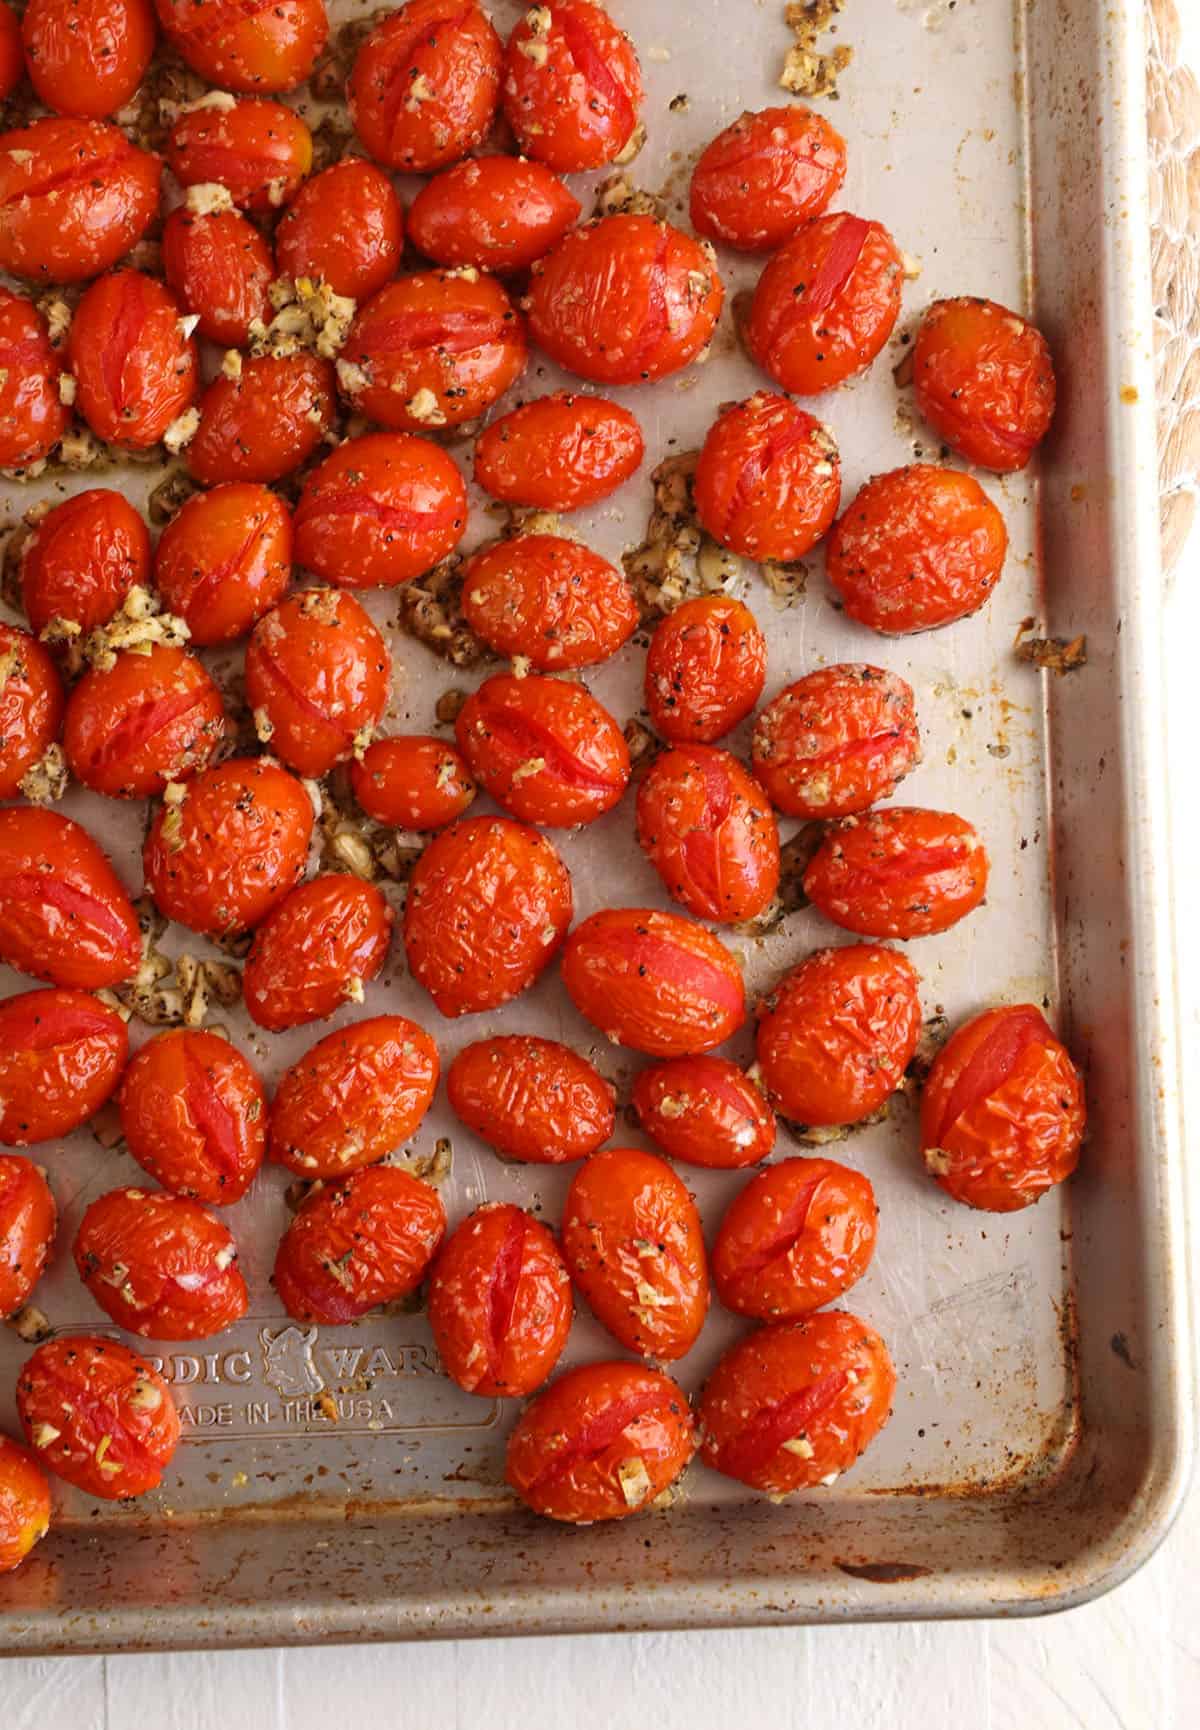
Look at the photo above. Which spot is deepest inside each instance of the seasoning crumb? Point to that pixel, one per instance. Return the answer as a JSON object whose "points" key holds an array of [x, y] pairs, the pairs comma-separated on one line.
{"points": [[1057, 655]]}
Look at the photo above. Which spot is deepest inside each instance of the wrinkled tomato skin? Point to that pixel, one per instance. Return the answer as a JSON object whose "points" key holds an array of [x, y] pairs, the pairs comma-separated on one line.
{"points": [[61, 1058], [220, 859], [499, 1303], [87, 57], [220, 267], [344, 228], [161, 1266], [531, 1099], [12, 54], [489, 902], [380, 510], [135, 371], [146, 720], [412, 781], [225, 559], [984, 381], [549, 599], [28, 1222], [572, 86], [425, 85], [24, 1493], [497, 213], [837, 741], [81, 560], [194, 1115], [826, 303], [31, 707], [377, 1232], [1003, 1112], [837, 1033], [625, 300], [33, 416], [264, 423], [260, 152], [327, 939], [509, 726], [901, 872], [707, 828], [827, 1381], [766, 175], [570, 1446], [705, 669], [768, 480], [353, 1097], [247, 48], [64, 913], [917, 548], [704, 1111], [656, 982], [76, 1391], [559, 452], [796, 1238], [76, 197]]}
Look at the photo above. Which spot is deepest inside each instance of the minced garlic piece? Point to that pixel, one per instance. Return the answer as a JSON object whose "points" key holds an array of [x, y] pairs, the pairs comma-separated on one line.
{"points": [[47, 780], [182, 431], [231, 363], [800, 1446], [352, 377], [938, 1161], [208, 198], [44, 1434], [144, 1397], [352, 989], [66, 388], [634, 1480], [423, 407]]}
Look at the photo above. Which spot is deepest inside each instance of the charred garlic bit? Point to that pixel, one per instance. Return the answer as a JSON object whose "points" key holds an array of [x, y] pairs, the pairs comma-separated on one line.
{"points": [[30, 1324], [135, 628], [432, 1167], [805, 71], [430, 609], [309, 317], [47, 780], [617, 196], [1057, 655], [170, 493], [663, 569]]}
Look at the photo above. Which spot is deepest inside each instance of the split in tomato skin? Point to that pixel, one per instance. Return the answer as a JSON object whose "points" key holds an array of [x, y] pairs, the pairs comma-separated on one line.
{"points": [[707, 827], [425, 84], [559, 452], [82, 559], [497, 213], [259, 151], [87, 57], [499, 1303], [1003, 1112], [265, 422], [33, 416], [837, 741], [344, 228], [220, 267], [247, 48], [161, 1266], [64, 913], [796, 1238], [572, 86], [146, 720], [135, 371], [24, 1491], [984, 381], [548, 599], [533, 1100], [766, 175], [704, 1111], [900, 872], [316, 951], [705, 669], [768, 480], [194, 1115], [75, 197], [61, 1058], [225, 559], [28, 1222], [412, 781], [31, 706], [12, 54], [97, 1415]]}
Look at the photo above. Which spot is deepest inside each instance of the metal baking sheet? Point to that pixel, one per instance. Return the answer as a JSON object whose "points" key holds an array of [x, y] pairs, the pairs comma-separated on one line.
{"points": [[1041, 1433]]}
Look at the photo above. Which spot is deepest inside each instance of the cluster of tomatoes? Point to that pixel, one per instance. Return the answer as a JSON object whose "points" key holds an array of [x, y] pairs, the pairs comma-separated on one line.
{"points": [[622, 299]]}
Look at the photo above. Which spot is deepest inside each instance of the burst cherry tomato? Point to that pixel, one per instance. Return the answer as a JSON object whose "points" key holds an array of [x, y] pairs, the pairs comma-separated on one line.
{"points": [[33, 416], [224, 559], [61, 1056], [380, 510], [247, 47], [799, 1235], [559, 452], [28, 1221], [1002, 1114], [135, 370], [316, 951], [64, 914], [572, 86], [498, 213], [548, 599], [87, 57], [413, 781], [343, 228], [836, 741], [705, 669], [499, 1302], [265, 422], [258, 151], [98, 1415], [707, 828], [546, 750], [984, 381], [31, 706], [220, 267], [704, 1111], [768, 480], [425, 84], [24, 1492], [160, 1265], [901, 872], [146, 720], [194, 1115], [489, 902], [12, 55], [75, 195], [531, 1099], [81, 560], [765, 176]]}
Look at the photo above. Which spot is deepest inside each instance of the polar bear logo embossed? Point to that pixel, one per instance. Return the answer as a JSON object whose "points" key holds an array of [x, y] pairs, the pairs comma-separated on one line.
{"points": [[288, 1365]]}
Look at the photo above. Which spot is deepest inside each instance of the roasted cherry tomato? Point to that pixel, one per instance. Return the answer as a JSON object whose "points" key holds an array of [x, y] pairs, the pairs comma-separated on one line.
{"points": [[601, 1442], [1002, 1114], [220, 267], [572, 86], [146, 720], [413, 781], [12, 60], [707, 828], [545, 749], [900, 872], [61, 1056], [984, 381], [768, 480], [625, 300], [705, 669], [225, 849], [379, 510], [135, 370], [836, 741], [247, 47], [837, 1033], [704, 1111], [917, 548], [656, 982], [548, 599], [498, 213], [87, 57], [343, 228], [531, 1099], [318, 675], [432, 349], [425, 84], [366, 1242], [826, 303], [33, 416], [799, 1235], [499, 1302], [98, 1415], [160, 1265], [258, 151], [224, 559], [353, 1097], [765, 176], [24, 1497], [265, 422], [194, 1115], [316, 951], [64, 913], [75, 196], [81, 560], [795, 1404], [489, 902], [559, 452], [28, 1221], [31, 706]]}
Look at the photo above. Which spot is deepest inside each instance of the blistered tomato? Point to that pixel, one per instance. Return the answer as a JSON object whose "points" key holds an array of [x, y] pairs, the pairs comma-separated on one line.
{"points": [[549, 599], [497, 213], [12, 55], [836, 741], [704, 1111], [247, 47], [917, 548], [220, 855], [224, 559], [64, 914], [33, 416], [146, 720], [258, 151], [531, 1099], [707, 828], [1003, 1113], [316, 951], [559, 452], [343, 228], [220, 267], [135, 370], [194, 1115], [24, 1497], [984, 381], [489, 902], [600, 1443], [547, 750], [768, 480], [160, 1265], [796, 1403], [87, 57], [900, 872], [31, 706], [625, 300], [656, 982], [799, 1235], [98, 1415], [379, 510], [572, 86], [265, 422], [499, 1302], [425, 84], [81, 560], [75, 196], [413, 781], [61, 1056], [705, 669], [28, 1221], [764, 176], [366, 1242], [826, 303], [353, 1097]]}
